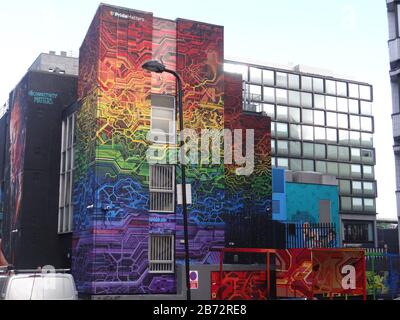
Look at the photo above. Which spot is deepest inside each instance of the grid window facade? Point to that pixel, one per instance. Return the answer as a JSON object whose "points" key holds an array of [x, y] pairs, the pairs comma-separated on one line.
{"points": [[65, 207]]}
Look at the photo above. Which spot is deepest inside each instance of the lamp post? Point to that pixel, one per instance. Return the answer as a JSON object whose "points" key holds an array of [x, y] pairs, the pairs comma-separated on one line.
{"points": [[157, 67]]}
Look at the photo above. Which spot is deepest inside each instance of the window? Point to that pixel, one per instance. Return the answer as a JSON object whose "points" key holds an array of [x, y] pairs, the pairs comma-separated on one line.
{"points": [[369, 205], [331, 135], [65, 207], [369, 188], [330, 103], [269, 109], [273, 161], [307, 116], [341, 89], [357, 187], [162, 188], [358, 231], [162, 119], [332, 168], [320, 166], [366, 108], [332, 152], [295, 148], [355, 138], [344, 187], [255, 92], [368, 172], [161, 253], [367, 156], [306, 83], [255, 75], [365, 92], [343, 153], [320, 151], [344, 170], [282, 147], [281, 79], [281, 113], [308, 165], [345, 203], [273, 125], [343, 121], [366, 124], [273, 146], [355, 122], [308, 150], [319, 134], [268, 77], [282, 163], [269, 94], [294, 98], [294, 115], [357, 204], [331, 119], [319, 101], [295, 164], [353, 91], [319, 118], [282, 130], [353, 106], [342, 105], [367, 140], [356, 171], [330, 87], [355, 154], [237, 68], [343, 137], [294, 81], [295, 131], [281, 96], [318, 85], [306, 100], [308, 133]]}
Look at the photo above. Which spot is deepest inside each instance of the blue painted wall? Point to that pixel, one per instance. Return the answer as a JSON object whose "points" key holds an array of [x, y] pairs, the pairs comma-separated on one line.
{"points": [[278, 194]]}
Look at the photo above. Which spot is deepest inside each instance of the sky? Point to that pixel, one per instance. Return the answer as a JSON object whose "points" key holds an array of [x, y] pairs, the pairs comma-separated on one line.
{"points": [[348, 37]]}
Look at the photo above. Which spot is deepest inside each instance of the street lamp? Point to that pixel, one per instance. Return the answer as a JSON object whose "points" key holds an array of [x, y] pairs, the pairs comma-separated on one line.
{"points": [[158, 67]]}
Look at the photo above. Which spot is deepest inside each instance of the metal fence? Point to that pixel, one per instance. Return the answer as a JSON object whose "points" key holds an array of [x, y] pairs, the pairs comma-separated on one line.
{"points": [[311, 235]]}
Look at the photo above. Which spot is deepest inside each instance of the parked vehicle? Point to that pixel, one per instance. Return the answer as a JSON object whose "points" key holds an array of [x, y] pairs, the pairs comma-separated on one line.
{"points": [[37, 285]]}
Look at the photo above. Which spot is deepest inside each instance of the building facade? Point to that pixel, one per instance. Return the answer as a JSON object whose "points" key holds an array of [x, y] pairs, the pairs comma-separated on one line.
{"points": [[320, 123], [393, 8]]}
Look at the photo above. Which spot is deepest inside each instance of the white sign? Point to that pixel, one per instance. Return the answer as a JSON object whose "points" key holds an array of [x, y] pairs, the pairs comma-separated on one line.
{"points": [[194, 279], [188, 194]]}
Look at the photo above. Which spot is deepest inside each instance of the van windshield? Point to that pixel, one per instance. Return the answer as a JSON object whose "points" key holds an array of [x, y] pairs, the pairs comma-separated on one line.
{"points": [[50, 287]]}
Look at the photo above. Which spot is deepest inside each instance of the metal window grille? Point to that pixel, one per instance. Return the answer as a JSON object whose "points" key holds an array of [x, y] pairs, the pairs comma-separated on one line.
{"points": [[161, 254], [162, 188]]}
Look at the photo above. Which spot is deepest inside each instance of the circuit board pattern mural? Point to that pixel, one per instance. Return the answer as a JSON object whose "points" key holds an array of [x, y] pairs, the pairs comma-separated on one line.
{"points": [[239, 285]]}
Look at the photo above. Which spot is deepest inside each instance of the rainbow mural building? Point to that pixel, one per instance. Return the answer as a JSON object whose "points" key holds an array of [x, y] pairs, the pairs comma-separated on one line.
{"points": [[113, 218]]}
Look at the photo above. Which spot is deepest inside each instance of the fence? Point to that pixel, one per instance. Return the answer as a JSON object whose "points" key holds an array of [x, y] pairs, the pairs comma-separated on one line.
{"points": [[311, 235]]}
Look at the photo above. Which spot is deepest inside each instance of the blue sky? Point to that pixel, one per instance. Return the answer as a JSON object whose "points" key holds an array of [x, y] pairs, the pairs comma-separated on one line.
{"points": [[348, 37]]}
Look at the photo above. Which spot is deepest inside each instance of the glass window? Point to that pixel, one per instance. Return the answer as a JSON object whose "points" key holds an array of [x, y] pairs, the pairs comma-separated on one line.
{"points": [[281, 130], [367, 140], [368, 172], [273, 161], [344, 170], [332, 152], [281, 79], [295, 148], [320, 166], [332, 168], [294, 98], [281, 113], [255, 75], [367, 156], [307, 116], [369, 204], [273, 129], [268, 77], [331, 119], [308, 133], [319, 134], [345, 203], [282, 163], [272, 146], [341, 89], [306, 83], [308, 165], [320, 151], [369, 188], [357, 187], [295, 131], [365, 92], [330, 87], [318, 85], [343, 121], [306, 99], [353, 90], [355, 154], [269, 109], [344, 186], [319, 101], [343, 137], [282, 147], [353, 106], [294, 114], [330, 103], [355, 122], [366, 108], [356, 171], [308, 150], [357, 204], [162, 124], [255, 92], [319, 118], [295, 164], [342, 105], [237, 68], [358, 231], [331, 135], [344, 154], [294, 81], [281, 96], [366, 124], [355, 138], [269, 94]]}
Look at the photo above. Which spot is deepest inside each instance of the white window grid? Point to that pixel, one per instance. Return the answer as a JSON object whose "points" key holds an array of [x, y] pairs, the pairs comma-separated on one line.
{"points": [[162, 188], [161, 253]]}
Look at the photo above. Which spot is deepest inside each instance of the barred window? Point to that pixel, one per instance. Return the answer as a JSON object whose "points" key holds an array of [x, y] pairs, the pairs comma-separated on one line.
{"points": [[162, 188], [65, 209], [161, 253]]}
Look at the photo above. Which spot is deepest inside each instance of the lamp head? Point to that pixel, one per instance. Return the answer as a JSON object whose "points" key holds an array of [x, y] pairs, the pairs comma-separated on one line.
{"points": [[154, 66]]}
